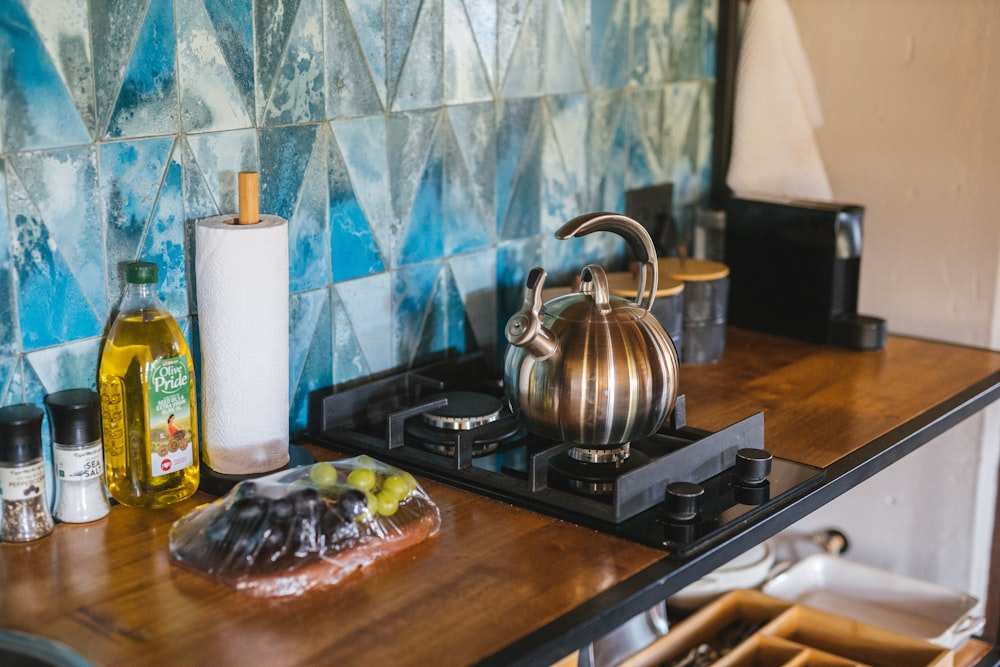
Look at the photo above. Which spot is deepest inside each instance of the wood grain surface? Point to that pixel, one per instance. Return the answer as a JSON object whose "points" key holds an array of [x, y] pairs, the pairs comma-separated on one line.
{"points": [[493, 574]]}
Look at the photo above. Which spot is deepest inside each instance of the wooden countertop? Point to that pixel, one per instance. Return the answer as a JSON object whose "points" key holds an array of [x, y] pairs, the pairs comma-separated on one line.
{"points": [[493, 574]]}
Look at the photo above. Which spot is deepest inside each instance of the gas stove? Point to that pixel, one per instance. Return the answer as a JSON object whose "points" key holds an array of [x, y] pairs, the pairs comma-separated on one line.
{"points": [[680, 490]]}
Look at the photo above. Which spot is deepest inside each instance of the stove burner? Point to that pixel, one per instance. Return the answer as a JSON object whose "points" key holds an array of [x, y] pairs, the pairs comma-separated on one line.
{"points": [[589, 478], [615, 455], [438, 428], [465, 411]]}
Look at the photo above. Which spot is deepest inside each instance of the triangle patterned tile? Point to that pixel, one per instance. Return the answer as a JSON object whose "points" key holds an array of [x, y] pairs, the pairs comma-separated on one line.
{"points": [[607, 149], [368, 19], [692, 167], [210, 97], [475, 276], [67, 366], [297, 92], [366, 303], [60, 184], [651, 155], [482, 17], [651, 42], [349, 361], [609, 57], [232, 22], [444, 325], [63, 26], [412, 293], [131, 173], [285, 153], [164, 239], [520, 40], [686, 50], [43, 278], [39, 110], [564, 159], [468, 205], [9, 381], [353, 250], [351, 86], [518, 173], [565, 54], [362, 144], [147, 101], [9, 343], [415, 173], [199, 200], [466, 78], [114, 29], [309, 227], [216, 160], [418, 83], [273, 20], [311, 350]]}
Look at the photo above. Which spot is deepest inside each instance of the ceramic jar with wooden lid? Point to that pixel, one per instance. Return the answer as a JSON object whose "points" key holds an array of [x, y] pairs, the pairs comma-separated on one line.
{"points": [[706, 300]]}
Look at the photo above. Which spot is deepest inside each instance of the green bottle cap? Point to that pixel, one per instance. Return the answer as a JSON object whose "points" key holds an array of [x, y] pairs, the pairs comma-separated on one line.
{"points": [[141, 273]]}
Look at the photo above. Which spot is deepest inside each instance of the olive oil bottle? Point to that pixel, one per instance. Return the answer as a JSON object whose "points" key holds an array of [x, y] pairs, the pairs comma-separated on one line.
{"points": [[148, 404]]}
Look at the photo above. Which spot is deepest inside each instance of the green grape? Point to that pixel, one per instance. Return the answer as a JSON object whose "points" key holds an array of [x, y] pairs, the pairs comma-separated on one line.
{"points": [[365, 461], [372, 503], [410, 480], [323, 475], [387, 504], [396, 486], [362, 479]]}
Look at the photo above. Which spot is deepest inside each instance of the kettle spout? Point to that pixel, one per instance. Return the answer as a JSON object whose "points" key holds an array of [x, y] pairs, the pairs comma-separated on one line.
{"points": [[524, 328]]}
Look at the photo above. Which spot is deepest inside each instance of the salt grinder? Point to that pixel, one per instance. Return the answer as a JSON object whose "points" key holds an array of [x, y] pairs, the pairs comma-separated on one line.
{"points": [[26, 513], [78, 455]]}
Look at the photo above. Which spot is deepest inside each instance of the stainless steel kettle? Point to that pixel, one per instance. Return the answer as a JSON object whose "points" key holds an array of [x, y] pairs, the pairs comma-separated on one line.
{"points": [[589, 367]]}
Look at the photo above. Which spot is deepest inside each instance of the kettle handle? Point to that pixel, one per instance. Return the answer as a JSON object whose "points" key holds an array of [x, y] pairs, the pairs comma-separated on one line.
{"points": [[634, 234]]}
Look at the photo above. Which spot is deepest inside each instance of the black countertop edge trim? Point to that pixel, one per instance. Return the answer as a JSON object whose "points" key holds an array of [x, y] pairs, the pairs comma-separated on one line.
{"points": [[648, 587], [991, 659]]}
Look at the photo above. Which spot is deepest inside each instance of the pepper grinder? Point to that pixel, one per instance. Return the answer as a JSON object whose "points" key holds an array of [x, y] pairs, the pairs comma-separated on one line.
{"points": [[78, 455], [26, 514]]}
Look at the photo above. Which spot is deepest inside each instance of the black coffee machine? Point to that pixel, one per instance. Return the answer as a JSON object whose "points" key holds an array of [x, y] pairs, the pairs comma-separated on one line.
{"points": [[794, 271]]}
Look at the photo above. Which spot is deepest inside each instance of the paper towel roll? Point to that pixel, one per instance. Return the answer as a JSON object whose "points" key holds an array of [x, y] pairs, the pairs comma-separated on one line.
{"points": [[242, 276], [776, 111]]}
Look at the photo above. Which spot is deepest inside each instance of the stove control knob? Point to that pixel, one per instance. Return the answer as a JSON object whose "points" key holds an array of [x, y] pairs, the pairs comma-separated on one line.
{"points": [[683, 500], [752, 465]]}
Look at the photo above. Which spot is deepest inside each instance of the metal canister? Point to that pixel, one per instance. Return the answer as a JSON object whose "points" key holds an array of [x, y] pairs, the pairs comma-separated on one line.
{"points": [[668, 307], [706, 300]]}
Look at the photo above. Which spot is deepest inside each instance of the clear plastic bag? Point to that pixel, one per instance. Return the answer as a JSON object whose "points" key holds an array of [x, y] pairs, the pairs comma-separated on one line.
{"points": [[305, 528]]}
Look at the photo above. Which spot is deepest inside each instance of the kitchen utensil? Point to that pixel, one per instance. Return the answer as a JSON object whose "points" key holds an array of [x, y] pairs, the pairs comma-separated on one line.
{"points": [[590, 367], [938, 614]]}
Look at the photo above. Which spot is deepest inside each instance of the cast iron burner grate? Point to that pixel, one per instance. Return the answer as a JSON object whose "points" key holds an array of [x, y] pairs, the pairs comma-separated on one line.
{"points": [[497, 457]]}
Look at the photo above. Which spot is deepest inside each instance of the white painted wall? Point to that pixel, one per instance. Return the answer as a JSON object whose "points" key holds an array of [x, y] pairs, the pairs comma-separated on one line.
{"points": [[911, 95]]}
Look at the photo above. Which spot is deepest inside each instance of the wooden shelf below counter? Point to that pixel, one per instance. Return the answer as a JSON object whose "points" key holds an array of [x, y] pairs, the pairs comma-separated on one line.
{"points": [[497, 580]]}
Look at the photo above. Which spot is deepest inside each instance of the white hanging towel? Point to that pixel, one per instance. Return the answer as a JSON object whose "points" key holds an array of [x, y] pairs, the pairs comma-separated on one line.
{"points": [[776, 111]]}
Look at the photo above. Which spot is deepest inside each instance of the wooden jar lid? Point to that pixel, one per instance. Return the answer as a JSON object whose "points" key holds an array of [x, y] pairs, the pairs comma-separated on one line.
{"points": [[692, 269], [625, 284]]}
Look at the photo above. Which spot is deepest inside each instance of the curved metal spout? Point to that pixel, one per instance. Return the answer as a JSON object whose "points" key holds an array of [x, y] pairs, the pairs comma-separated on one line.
{"points": [[524, 328]]}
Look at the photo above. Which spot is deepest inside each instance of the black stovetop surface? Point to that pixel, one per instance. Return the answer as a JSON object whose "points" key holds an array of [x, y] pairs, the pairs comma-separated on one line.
{"points": [[371, 417]]}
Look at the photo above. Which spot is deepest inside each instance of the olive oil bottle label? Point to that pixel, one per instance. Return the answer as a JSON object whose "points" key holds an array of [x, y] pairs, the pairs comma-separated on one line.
{"points": [[170, 415]]}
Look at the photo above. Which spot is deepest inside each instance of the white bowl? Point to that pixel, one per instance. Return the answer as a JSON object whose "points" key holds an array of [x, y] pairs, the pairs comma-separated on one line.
{"points": [[748, 570]]}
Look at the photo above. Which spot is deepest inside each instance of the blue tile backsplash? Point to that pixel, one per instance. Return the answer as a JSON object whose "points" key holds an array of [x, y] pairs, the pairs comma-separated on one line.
{"points": [[423, 152]]}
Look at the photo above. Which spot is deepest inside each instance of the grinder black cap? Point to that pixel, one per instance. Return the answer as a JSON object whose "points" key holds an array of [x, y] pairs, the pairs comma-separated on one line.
{"points": [[20, 433], [75, 416]]}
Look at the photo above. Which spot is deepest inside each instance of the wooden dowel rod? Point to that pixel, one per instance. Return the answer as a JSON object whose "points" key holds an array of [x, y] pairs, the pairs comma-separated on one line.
{"points": [[249, 194]]}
